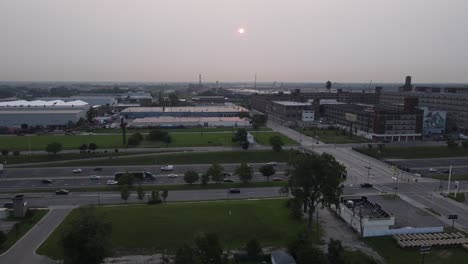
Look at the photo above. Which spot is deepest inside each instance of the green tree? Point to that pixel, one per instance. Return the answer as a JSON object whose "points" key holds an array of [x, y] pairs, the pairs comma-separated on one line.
{"points": [[140, 192], [267, 171], [209, 249], [87, 239], [314, 179], [54, 147], [336, 252], [164, 195], [125, 192], [244, 172], [157, 135], [191, 177], [240, 136], [184, 255], [215, 171], [253, 249], [173, 99], [5, 152], [126, 179], [276, 143], [83, 148], [92, 146], [205, 178], [258, 120]]}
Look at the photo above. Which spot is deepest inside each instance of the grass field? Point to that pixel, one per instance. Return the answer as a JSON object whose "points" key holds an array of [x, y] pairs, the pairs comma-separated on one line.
{"points": [[393, 254], [459, 198], [191, 129], [115, 141], [153, 228], [186, 158], [264, 138], [332, 136], [455, 177], [415, 152], [24, 225]]}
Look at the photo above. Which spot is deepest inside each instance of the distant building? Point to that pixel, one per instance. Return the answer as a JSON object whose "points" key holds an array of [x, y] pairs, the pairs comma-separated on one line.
{"points": [[142, 98], [203, 100], [183, 111], [57, 113], [289, 113], [92, 100], [166, 121]]}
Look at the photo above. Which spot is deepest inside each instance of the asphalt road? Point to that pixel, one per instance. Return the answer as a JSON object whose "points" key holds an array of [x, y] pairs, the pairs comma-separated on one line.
{"points": [[441, 165]]}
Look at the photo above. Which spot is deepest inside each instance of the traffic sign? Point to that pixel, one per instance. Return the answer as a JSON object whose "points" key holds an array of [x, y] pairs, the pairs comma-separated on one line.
{"points": [[453, 217]]}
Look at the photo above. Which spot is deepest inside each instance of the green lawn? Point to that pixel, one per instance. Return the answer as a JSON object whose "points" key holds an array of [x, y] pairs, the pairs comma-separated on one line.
{"points": [[459, 198], [144, 228], [264, 138], [455, 177], [415, 152], [190, 129], [115, 141], [24, 225], [331, 136], [393, 254], [252, 156]]}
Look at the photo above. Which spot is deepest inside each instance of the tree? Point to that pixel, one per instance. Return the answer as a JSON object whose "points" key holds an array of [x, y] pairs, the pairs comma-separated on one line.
{"points": [[87, 239], [216, 172], [336, 252], [184, 255], [125, 192], [173, 99], [140, 192], [83, 148], [133, 141], [304, 251], [244, 115], [54, 147], [267, 170], [240, 136], [92, 146], [314, 179], [90, 115], [191, 177], [164, 195], [276, 143], [3, 238], [205, 178], [253, 249], [157, 135], [126, 179], [244, 172], [258, 120], [208, 249], [5, 152]]}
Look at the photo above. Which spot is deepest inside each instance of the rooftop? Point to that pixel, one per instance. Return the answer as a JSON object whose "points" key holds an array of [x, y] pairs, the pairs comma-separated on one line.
{"points": [[169, 119], [366, 208], [292, 103], [28, 111], [41, 103], [184, 109]]}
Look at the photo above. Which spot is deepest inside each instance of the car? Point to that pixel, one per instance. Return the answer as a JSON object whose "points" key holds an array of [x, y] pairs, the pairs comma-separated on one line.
{"points": [[77, 170], [97, 169], [111, 182], [277, 179], [234, 190], [47, 181], [8, 205], [172, 175], [272, 163], [432, 169], [227, 174], [167, 168], [228, 180], [62, 192], [94, 177], [367, 185]]}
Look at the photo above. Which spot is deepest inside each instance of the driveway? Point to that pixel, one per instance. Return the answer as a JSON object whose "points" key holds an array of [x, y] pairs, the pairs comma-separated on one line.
{"points": [[23, 252]]}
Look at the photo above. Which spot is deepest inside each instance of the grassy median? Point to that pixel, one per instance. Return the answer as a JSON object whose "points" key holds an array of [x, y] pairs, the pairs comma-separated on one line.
{"points": [[414, 152], [149, 229]]}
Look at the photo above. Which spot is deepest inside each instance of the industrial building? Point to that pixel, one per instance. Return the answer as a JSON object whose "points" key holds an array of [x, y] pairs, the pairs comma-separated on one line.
{"points": [[204, 100], [289, 113], [379, 123], [184, 111], [92, 100], [56, 113], [166, 121]]}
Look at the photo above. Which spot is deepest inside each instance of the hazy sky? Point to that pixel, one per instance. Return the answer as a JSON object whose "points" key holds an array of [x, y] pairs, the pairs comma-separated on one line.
{"points": [[285, 40]]}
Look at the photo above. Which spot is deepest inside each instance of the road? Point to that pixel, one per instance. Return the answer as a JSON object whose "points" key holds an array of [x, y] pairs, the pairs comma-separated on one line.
{"points": [[63, 177]]}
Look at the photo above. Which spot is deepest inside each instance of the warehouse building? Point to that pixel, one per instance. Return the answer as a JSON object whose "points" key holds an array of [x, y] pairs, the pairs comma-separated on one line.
{"points": [[184, 111], [166, 121], [289, 113], [56, 113]]}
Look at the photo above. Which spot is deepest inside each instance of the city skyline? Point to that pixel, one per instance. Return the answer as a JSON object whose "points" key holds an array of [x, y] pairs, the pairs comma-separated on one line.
{"points": [[303, 41]]}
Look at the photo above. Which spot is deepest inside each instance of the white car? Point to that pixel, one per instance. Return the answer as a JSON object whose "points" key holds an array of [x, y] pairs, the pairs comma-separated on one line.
{"points": [[167, 168], [111, 182], [77, 170], [172, 175], [432, 169], [94, 177]]}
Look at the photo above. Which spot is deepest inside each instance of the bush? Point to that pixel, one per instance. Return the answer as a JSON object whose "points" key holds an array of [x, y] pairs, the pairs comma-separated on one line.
{"points": [[5, 152]]}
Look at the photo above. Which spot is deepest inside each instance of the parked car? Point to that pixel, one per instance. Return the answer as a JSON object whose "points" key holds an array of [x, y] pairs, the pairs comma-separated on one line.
{"points": [[77, 170], [432, 169], [367, 185], [167, 168], [277, 179], [172, 175], [272, 163], [47, 181], [111, 182], [62, 192], [97, 169], [94, 177], [8, 205], [228, 180], [234, 190]]}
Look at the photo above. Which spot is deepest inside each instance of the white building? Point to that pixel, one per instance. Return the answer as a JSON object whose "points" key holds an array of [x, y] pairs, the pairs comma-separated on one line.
{"points": [[21, 113], [168, 121]]}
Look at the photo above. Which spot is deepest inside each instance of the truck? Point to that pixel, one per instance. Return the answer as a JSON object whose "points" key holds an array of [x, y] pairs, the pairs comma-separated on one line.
{"points": [[141, 175]]}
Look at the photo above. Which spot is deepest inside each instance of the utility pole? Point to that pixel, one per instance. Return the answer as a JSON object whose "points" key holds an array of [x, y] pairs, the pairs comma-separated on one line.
{"points": [[450, 177], [395, 175]]}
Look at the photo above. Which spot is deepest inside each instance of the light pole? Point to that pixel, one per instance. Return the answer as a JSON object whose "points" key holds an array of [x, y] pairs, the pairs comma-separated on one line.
{"points": [[395, 177]]}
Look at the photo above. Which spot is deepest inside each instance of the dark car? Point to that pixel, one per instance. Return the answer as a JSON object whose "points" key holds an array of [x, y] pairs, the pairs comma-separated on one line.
{"points": [[277, 179], [366, 185], [47, 181], [234, 190], [62, 192], [97, 169], [228, 180], [8, 205]]}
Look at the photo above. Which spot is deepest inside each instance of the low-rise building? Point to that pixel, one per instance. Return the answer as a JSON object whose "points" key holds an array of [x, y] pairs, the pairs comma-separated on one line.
{"points": [[289, 113], [167, 121], [184, 111]]}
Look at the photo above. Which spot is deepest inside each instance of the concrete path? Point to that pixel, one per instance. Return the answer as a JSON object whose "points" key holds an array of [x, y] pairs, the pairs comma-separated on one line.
{"points": [[23, 252]]}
